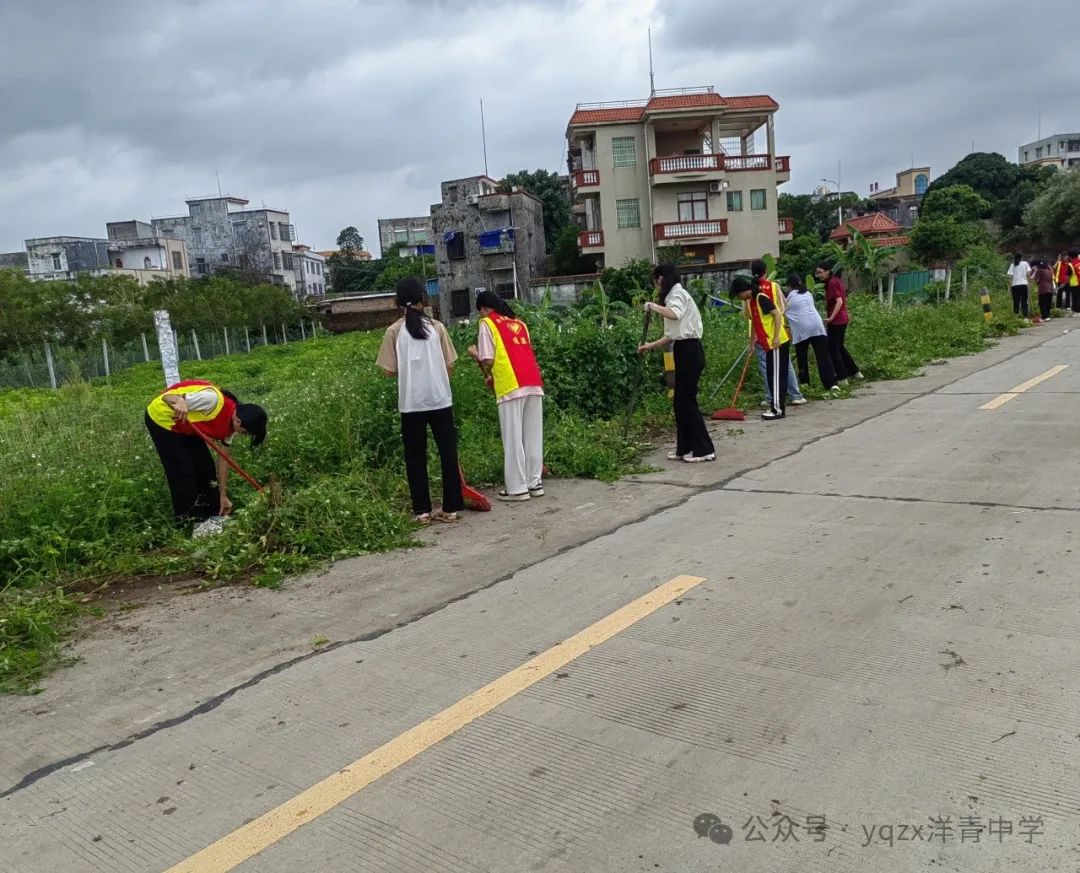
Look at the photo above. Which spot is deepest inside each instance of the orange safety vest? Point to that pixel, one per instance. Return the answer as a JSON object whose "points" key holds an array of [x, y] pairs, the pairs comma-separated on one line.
{"points": [[515, 364], [216, 424], [1061, 272], [1074, 279]]}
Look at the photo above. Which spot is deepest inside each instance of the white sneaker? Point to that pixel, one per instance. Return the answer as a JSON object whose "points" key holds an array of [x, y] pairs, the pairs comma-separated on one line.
{"points": [[802, 401], [835, 389], [506, 497], [765, 404], [212, 526], [675, 456], [859, 376], [692, 459]]}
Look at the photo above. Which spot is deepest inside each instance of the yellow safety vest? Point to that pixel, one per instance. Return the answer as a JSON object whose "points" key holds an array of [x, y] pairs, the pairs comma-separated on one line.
{"points": [[161, 413]]}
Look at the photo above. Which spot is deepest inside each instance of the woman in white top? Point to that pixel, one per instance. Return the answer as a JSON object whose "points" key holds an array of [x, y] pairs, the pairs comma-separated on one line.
{"points": [[808, 330], [682, 332], [1019, 274], [418, 351]]}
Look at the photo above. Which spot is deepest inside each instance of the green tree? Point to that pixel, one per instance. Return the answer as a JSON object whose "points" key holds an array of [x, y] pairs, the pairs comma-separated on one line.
{"points": [[990, 175], [399, 268], [548, 187], [818, 216], [954, 201], [349, 240], [566, 257], [800, 255], [1053, 218], [622, 284], [942, 240]]}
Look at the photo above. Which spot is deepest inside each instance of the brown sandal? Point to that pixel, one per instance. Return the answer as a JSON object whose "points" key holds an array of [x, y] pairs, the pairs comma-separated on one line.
{"points": [[446, 517]]}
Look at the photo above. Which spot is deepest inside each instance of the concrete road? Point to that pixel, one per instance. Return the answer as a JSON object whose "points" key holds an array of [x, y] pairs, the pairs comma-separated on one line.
{"points": [[851, 645]]}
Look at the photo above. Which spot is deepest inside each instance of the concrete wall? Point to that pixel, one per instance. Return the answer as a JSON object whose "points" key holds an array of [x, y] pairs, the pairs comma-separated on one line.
{"points": [[623, 183], [134, 257], [76, 254], [417, 232], [128, 230], [564, 290], [15, 261], [493, 271], [359, 313]]}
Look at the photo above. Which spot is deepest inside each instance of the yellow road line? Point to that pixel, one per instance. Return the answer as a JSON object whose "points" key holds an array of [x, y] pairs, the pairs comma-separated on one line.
{"points": [[247, 841], [1002, 399]]}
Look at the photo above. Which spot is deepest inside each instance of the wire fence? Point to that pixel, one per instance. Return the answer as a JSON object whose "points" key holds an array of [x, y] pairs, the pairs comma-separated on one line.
{"points": [[51, 367]]}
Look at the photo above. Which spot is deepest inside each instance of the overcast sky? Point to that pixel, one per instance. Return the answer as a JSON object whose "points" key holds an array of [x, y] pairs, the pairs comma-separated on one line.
{"points": [[342, 111]]}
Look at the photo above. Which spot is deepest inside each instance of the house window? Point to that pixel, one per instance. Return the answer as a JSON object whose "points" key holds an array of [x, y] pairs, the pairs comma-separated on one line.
{"points": [[451, 197], [287, 261], [734, 201], [1038, 153], [758, 199], [225, 259], [200, 266], [147, 263], [1027, 155], [56, 261], [420, 237], [401, 236], [459, 303], [178, 260], [277, 260], [455, 248], [286, 236], [624, 148], [628, 212], [693, 206], [921, 184], [273, 230], [1074, 145]]}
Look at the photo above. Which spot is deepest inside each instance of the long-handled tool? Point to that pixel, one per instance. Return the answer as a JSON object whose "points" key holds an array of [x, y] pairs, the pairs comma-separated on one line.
{"points": [[727, 375], [637, 378], [227, 458], [473, 499], [732, 412]]}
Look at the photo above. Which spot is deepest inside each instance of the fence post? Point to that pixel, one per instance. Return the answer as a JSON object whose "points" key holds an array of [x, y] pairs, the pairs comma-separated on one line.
{"points": [[948, 281], [284, 336], [963, 282], [167, 345], [303, 330], [145, 349], [225, 331], [195, 340], [49, 363], [247, 339], [105, 355], [892, 287], [266, 342]]}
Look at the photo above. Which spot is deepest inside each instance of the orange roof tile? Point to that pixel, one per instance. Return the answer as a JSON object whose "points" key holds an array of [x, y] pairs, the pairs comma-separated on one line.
{"points": [[607, 116], [881, 242], [684, 101], [756, 101], [874, 224]]}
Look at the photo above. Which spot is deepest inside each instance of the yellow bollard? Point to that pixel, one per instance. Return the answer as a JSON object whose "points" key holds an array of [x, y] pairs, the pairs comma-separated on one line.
{"points": [[984, 297], [669, 373]]}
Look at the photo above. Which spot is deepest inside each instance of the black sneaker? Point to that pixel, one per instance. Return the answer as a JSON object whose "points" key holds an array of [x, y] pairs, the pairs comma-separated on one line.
{"points": [[772, 416]]}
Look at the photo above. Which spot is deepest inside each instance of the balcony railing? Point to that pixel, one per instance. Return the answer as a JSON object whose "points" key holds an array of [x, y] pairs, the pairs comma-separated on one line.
{"points": [[786, 226], [591, 239], [505, 247], [586, 178], [714, 163], [690, 229], [686, 164]]}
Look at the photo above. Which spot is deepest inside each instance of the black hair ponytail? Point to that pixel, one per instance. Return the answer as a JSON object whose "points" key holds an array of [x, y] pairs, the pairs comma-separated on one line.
{"points": [[410, 293]]}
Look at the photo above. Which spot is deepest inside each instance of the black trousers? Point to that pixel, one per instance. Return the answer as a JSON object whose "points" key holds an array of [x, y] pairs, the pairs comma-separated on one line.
{"points": [[1074, 292], [691, 434], [1064, 298], [822, 356], [777, 364], [1020, 300], [414, 427], [189, 470], [1046, 303], [843, 364]]}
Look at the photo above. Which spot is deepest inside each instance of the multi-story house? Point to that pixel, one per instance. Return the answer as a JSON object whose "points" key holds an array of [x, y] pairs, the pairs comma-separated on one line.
{"points": [[310, 272], [682, 168], [901, 203], [132, 249], [219, 232], [1059, 150], [485, 238], [409, 233]]}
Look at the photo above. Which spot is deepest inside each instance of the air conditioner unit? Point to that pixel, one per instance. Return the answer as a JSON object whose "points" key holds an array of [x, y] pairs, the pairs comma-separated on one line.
{"points": [[472, 199], [716, 187]]}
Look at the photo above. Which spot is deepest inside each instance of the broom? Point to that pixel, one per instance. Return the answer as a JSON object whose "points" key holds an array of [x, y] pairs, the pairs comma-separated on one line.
{"points": [[733, 413], [637, 378], [227, 458], [474, 500]]}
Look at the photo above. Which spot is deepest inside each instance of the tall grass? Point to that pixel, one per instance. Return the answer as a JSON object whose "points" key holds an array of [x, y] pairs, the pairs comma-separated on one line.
{"points": [[83, 500]]}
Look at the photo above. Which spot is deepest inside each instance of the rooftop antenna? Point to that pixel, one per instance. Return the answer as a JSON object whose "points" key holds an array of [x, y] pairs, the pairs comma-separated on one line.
{"points": [[483, 135], [1040, 122], [652, 77], [216, 173]]}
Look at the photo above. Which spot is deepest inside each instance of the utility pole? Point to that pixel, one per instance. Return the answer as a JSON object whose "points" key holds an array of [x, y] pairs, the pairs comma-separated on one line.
{"points": [[483, 135], [652, 76]]}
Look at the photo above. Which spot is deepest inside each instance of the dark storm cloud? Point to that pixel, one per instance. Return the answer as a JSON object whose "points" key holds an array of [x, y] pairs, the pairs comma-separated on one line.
{"points": [[341, 110]]}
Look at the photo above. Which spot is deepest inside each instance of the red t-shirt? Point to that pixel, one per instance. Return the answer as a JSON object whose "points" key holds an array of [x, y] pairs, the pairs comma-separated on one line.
{"points": [[835, 290]]}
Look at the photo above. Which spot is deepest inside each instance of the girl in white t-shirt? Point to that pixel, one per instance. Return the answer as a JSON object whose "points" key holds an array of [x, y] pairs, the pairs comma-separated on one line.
{"points": [[1019, 274], [418, 351]]}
